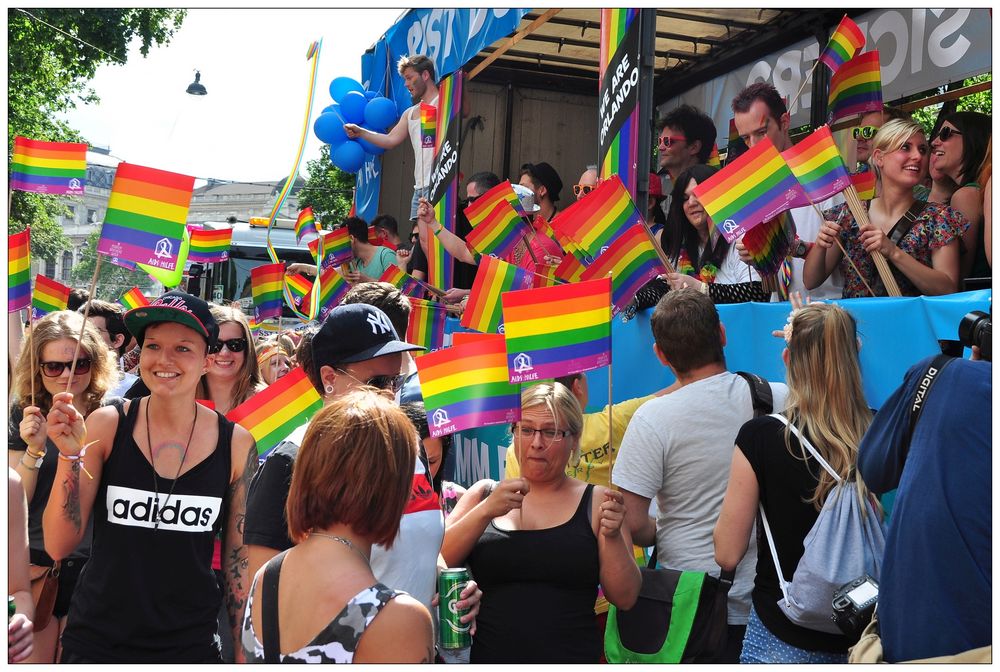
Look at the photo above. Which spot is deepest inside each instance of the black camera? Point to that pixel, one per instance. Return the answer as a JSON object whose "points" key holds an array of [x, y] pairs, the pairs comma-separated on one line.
{"points": [[976, 329], [854, 604]]}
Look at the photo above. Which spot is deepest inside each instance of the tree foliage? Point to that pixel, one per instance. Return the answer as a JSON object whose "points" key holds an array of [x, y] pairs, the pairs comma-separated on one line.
{"points": [[974, 102], [328, 190], [112, 280]]}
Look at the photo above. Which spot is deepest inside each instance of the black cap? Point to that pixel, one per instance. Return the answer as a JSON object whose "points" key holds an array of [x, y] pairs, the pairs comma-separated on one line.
{"points": [[548, 176], [356, 332], [175, 306]]}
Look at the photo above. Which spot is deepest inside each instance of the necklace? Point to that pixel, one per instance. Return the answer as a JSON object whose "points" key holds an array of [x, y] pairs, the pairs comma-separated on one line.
{"points": [[152, 461], [345, 542]]}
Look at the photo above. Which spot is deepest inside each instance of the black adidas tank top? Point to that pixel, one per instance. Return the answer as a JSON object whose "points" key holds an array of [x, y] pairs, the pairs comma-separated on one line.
{"points": [[149, 595]]}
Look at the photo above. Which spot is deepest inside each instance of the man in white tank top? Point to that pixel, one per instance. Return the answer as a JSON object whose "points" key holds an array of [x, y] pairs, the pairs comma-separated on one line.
{"points": [[418, 73]]}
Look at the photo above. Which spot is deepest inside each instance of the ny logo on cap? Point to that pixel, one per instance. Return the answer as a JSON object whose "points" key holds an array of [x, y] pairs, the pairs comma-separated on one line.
{"points": [[380, 323]]}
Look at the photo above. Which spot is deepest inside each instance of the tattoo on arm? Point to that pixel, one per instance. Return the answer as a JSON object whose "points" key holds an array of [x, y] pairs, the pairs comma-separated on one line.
{"points": [[237, 558], [71, 486]]}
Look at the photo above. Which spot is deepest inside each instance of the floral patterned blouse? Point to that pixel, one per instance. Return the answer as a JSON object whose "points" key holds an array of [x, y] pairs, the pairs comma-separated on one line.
{"points": [[936, 226]]}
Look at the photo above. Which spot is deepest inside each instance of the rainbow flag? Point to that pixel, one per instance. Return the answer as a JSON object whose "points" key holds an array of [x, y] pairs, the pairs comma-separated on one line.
{"points": [[499, 233], [333, 287], [445, 175], [146, 214], [770, 244], [273, 413], [571, 268], [259, 330], [846, 41], [753, 188], [864, 182], [557, 331], [18, 270], [817, 165], [48, 167], [439, 264], [494, 277], [305, 223], [632, 262], [133, 298], [465, 386], [714, 161], [209, 245], [545, 276], [479, 210], [336, 248], [48, 297], [856, 87], [299, 288], [595, 220], [428, 124], [623, 154], [426, 325], [266, 284], [407, 284]]}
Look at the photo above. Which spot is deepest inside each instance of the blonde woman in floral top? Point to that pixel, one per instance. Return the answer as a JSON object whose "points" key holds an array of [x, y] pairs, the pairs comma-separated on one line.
{"points": [[923, 256]]}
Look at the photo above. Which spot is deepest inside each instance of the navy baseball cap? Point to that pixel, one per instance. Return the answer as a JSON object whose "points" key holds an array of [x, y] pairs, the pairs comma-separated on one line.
{"points": [[356, 333]]}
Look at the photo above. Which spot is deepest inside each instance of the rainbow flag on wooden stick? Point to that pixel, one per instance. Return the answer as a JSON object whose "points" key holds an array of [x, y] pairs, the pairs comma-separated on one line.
{"points": [[856, 87], [632, 262], [272, 414], [406, 283], [846, 41], [494, 277], [428, 124], [498, 232], [817, 165], [133, 298], [755, 187], [466, 386], [299, 288], [18, 270], [594, 221], [210, 245], [305, 223], [480, 209], [48, 167], [426, 325], [146, 213], [336, 248], [864, 182], [266, 284], [557, 331], [333, 287], [48, 297]]}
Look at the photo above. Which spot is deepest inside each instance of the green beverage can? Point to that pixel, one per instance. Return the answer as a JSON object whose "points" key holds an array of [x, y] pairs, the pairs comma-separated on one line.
{"points": [[454, 633], [11, 607]]}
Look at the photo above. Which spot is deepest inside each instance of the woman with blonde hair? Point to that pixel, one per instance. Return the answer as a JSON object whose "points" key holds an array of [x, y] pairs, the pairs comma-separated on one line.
{"points": [[273, 360], [328, 605], [919, 239], [543, 541], [233, 374], [43, 368], [826, 403]]}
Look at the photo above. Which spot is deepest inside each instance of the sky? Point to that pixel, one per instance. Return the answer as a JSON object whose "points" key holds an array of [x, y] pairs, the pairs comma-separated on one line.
{"points": [[253, 65]]}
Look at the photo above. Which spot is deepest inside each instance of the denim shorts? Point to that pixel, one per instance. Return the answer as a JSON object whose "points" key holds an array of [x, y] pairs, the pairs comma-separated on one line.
{"points": [[761, 646], [423, 192]]}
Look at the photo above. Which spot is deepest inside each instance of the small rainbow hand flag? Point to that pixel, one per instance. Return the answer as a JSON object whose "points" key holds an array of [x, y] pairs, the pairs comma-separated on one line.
{"points": [[817, 165], [428, 125], [498, 231], [406, 283], [480, 209], [272, 414], [259, 330], [133, 298], [594, 221], [466, 386], [856, 87], [494, 277], [426, 325], [846, 41], [266, 284], [557, 331], [18, 270], [146, 213], [864, 182], [632, 262], [48, 167], [305, 223], [48, 297], [749, 190], [336, 248], [714, 161], [333, 287], [571, 268], [209, 245], [299, 288], [545, 276]]}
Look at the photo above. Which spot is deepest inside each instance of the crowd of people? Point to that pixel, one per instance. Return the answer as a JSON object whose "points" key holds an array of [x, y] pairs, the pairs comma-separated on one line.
{"points": [[167, 539]]}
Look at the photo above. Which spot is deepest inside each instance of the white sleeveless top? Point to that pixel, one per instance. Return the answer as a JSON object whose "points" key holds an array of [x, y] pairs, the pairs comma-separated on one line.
{"points": [[423, 157]]}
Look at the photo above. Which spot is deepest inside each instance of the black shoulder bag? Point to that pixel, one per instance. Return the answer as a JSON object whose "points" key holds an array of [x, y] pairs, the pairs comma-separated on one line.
{"points": [[270, 637]]}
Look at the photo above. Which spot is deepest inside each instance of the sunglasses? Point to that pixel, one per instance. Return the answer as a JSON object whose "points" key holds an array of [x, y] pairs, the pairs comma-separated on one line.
{"points": [[472, 199], [583, 189], [668, 140], [234, 345], [864, 132], [946, 133], [383, 382], [55, 369]]}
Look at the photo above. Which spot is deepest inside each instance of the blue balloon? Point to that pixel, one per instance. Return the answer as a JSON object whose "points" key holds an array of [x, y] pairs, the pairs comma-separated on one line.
{"points": [[329, 128], [349, 157], [352, 107], [341, 86], [380, 113], [374, 150], [333, 107], [371, 94]]}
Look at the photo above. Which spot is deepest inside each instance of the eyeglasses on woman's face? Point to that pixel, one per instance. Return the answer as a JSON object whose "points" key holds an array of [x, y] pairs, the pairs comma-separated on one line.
{"points": [[549, 436]]}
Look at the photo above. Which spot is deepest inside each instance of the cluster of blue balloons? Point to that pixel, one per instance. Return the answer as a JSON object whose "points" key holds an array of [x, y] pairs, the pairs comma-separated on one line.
{"points": [[353, 105]]}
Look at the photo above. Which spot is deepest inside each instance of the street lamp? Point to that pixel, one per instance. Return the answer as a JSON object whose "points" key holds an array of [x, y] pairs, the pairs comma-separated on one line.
{"points": [[196, 88]]}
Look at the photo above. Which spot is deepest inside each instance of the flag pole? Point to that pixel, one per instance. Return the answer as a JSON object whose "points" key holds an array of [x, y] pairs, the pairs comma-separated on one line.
{"points": [[31, 333], [857, 209], [86, 314], [804, 82], [843, 251], [656, 245], [611, 426]]}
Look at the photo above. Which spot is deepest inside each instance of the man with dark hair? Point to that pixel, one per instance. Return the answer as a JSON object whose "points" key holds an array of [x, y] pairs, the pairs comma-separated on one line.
{"points": [[686, 136], [418, 73], [108, 319], [760, 113], [370, 261], [77, 297], [387, 229], [544, 181], [678, 448]]}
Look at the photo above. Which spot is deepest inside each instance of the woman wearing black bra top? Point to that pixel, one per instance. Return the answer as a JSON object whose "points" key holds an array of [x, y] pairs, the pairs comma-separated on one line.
{"points": [[161, 478]]}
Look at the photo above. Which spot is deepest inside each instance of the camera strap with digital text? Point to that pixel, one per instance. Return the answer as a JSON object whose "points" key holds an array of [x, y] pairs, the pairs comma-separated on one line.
{"points": [[927, 380]]}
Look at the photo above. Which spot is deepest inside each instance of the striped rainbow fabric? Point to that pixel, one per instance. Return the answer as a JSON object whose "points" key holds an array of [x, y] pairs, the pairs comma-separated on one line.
{"points": [[133, 298], [266, 284], [631, 261], [624, 150], [210, 245], [272, 414], [406, 283], [19, 270], [817, 165], [847, 40], [48, 167], [305, 223], [856, 87], [493, 278], [48, 296], [449, 113], [333, 287], [426, 325]]}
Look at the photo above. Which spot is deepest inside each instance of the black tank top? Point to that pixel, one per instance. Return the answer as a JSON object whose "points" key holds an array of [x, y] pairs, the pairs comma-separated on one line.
{"points": [[539, 588], [149, 595]]}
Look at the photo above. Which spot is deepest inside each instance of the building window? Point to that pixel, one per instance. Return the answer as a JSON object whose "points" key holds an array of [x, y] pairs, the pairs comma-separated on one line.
{"points": [[50, 269], [71, 215], [67, 267], [91, 216]]}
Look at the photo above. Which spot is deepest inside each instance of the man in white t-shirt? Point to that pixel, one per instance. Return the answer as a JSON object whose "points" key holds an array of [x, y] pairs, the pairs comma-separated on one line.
{"points": [[418, 74], [678, 449]]}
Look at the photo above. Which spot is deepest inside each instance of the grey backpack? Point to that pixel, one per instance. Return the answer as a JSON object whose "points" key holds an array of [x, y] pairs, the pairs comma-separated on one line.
{"points": [[844, 543]]}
